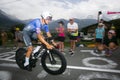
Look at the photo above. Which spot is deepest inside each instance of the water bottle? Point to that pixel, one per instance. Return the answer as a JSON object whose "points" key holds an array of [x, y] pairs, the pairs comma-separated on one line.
{"points": [[35, 52], [36, 49]]}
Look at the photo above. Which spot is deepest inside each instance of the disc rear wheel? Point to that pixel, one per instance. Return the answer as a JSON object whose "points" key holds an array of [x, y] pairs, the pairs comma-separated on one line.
{"points": [[20, 57]]}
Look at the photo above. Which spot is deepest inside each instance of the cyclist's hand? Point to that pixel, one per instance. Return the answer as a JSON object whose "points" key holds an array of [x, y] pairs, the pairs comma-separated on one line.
{"points": [[49, 46], [55, 44]]}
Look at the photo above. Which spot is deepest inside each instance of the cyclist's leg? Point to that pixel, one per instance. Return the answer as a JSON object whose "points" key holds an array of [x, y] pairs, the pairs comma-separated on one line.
{"points": [[28, 43], [28, 53]]}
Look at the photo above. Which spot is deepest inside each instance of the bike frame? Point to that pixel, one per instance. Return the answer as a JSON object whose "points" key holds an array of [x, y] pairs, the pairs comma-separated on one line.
{"points": [[42, 51]]}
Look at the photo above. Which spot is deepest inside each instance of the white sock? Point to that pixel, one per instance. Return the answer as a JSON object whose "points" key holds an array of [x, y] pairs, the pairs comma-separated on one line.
{"points": [[26, 61]]}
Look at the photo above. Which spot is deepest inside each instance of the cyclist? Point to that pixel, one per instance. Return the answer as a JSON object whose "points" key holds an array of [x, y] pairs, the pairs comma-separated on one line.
{"points": [[35, 27]]}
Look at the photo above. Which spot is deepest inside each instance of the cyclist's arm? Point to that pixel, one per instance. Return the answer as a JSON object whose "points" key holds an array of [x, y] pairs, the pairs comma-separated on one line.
{"points": [[49, 34], [46, 28], [39, 35], [41, 38], [52, 40]]}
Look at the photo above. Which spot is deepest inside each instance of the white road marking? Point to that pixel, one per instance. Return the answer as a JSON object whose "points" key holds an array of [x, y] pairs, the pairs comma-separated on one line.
{"points": [[11, 52], [42, 74], [4, 55], [67, 72], [87, 68], [85, 51], [110, 64], [69, 67], [11, 60], [92, 52], [5, 75], [7, 53], [101, 76], [94, 69], [8, 56], [9, 65]]}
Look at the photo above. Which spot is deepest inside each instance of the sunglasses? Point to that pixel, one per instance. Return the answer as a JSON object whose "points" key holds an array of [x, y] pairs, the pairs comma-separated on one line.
{"points": [[49, 18]]}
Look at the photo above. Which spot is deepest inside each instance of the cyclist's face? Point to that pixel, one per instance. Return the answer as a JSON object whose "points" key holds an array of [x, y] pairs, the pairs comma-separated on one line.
{"points": [[48, 20]]}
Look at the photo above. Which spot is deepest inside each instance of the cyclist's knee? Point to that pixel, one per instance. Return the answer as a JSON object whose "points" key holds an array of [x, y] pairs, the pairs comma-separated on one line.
{"points": [[30, 48]]}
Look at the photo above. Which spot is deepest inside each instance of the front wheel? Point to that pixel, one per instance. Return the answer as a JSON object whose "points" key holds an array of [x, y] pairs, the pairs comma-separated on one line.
{"points": [[53, 62]]}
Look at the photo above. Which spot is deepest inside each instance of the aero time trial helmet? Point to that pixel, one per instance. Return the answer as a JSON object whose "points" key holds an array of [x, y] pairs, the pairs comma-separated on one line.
{"points": [[46, 15]]}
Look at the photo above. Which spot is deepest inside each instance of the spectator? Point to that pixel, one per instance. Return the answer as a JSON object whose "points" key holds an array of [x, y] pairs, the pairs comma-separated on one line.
{"points": [[18, 38], [72, 28], [13, 35], [61, 35], [110, 43], [99, 35], [4, 38], [102, 21], [112, 30]]}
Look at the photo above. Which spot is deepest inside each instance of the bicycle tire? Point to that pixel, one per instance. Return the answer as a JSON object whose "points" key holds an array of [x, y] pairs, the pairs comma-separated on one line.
{"points": [[20, 57], [61, 57]]}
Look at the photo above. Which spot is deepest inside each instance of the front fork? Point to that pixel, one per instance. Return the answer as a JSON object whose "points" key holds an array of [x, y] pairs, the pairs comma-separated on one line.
{"points": [[51, 58]]}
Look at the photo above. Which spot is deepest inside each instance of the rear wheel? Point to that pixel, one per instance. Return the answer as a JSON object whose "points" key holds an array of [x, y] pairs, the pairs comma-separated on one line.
{"points": [[53, 62], [20, 57]]}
